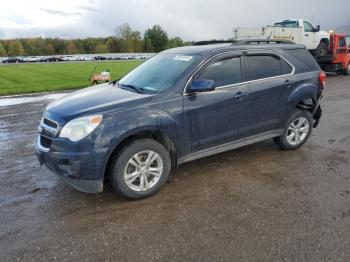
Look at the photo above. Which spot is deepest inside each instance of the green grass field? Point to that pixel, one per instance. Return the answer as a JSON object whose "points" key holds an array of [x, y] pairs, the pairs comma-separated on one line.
{"points": [[31, 78]]}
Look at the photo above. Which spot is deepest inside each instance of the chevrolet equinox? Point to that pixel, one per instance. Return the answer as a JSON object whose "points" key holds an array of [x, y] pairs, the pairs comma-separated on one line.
{"points": [[182, 104]]}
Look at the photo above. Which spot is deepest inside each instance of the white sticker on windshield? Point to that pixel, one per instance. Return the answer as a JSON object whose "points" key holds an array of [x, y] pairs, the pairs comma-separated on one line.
{"points": [[183, 58]]}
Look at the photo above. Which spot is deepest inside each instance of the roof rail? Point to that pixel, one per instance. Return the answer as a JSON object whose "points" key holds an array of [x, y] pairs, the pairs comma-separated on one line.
{"points": [[213, 42], [262, 41], [245, 42]]}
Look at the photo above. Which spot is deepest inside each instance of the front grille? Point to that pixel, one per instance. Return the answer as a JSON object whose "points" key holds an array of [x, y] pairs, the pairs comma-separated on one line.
{"points": [[45, 141], [50, 123]]}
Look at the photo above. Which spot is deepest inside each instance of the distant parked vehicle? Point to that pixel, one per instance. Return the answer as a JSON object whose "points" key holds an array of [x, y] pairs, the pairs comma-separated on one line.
{"points": [[299, 31], [69, 58], [83, 58], [140, 57], [49, 59], [60, 58], [32, 59], [337, 58], [12, 60], [100, 58]]}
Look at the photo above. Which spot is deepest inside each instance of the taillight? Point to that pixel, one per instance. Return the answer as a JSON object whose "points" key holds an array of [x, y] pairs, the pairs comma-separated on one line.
{"points": [[323, 79]]}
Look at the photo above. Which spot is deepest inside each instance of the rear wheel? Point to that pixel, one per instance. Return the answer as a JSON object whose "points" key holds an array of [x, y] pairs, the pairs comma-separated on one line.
{"points": [[297, 131], [140, 169]]}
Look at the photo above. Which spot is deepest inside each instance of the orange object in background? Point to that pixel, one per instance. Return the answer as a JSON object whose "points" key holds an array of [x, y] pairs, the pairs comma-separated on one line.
{"points": [[104, 76], [338, 56]]}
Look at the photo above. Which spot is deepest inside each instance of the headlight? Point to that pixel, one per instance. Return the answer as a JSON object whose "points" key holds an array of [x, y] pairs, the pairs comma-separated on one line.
{"points": [[79, 128]]}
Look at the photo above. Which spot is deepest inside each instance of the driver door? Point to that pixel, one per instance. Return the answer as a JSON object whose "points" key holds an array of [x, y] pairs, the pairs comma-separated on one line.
{"points": [[311, 41], [220, 116]]}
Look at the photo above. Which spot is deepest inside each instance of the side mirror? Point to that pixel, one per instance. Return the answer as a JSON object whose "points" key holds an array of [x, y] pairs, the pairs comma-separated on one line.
{"points": [[202, 86], [317, 29]]}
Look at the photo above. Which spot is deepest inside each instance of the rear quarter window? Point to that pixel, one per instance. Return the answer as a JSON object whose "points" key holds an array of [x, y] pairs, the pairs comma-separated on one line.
{"points": [[304, 57], [286, 68], [265, 66]]}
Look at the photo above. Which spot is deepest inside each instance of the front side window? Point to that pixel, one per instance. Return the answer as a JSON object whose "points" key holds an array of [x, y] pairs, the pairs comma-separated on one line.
{"points": [[308, 27], [264, 66], [224, 72], [342, 42], [159, 73]]}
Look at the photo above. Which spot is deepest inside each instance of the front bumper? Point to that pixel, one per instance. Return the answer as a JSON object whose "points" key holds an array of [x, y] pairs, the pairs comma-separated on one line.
{"points": [[84, 171]]}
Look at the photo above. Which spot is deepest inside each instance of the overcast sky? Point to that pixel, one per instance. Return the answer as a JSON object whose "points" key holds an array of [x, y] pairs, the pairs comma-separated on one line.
{"points": [[189, 19]]}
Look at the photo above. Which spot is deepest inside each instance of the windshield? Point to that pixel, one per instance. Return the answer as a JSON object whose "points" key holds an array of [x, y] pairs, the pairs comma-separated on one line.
{"points": [[288, 24], [158, 73]]}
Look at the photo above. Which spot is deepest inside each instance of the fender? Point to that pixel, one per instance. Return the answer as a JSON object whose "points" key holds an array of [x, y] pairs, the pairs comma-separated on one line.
{"points": [[303, 91], [133, 123]]}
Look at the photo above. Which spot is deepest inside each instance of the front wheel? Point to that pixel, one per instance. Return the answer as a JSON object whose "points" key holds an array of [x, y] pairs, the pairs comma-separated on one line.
{"points": [[140, 169], [297, 131]]}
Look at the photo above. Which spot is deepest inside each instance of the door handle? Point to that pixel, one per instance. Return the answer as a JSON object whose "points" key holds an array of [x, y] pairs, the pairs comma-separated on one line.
{"points": [[288, 83], [240, 95], [306, 34]]}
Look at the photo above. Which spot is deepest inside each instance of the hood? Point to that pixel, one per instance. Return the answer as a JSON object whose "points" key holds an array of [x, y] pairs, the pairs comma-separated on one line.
{"points": [[94, 100], [324, 34]]}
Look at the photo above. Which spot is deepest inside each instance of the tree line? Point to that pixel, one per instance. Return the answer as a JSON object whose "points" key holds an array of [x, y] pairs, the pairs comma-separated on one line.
{"points": [[125, 40]]}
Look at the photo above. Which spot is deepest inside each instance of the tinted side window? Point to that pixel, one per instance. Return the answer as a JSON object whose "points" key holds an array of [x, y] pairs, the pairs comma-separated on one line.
{"points": [[342, 42], [224, 72], [305, 57], [286, 68], [262, 66]]}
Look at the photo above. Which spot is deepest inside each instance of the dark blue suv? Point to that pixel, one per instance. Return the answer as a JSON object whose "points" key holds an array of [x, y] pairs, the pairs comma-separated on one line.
{"points": [[183, 104]]}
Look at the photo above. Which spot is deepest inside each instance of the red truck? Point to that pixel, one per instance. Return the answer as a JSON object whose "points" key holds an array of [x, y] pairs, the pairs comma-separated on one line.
{"points": [[338, 56]]}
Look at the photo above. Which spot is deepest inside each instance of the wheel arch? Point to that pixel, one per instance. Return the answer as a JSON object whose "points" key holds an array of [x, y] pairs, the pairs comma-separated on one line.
{"points": [[325, 40], [136, 134], [308, 104], [303, 97]]}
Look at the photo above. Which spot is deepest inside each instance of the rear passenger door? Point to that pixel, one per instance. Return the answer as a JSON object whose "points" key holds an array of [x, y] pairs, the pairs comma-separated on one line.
{"points": [[270, 84]]}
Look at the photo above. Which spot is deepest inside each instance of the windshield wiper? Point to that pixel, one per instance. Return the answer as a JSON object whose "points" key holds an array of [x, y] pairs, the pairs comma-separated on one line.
{"points": [[114, 82], [135, 88]]}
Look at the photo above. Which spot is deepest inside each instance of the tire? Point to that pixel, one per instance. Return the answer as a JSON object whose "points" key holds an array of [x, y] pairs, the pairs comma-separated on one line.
{"points": [[321, 50], [289, 142], [131, 176]]}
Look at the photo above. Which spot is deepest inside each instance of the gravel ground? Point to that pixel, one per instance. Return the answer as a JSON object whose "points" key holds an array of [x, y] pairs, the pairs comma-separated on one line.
{"points": [[252, 204]]}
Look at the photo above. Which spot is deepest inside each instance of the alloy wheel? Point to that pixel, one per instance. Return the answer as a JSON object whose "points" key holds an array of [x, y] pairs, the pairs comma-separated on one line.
{"points": [[298, 131], [143, 171]]}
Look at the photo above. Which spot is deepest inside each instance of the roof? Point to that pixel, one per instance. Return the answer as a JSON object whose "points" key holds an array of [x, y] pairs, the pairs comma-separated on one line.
{"points": [[218, 48]]}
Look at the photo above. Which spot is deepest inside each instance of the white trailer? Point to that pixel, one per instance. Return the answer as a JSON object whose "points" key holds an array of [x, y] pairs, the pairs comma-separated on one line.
{"points": [[299, 31]]}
